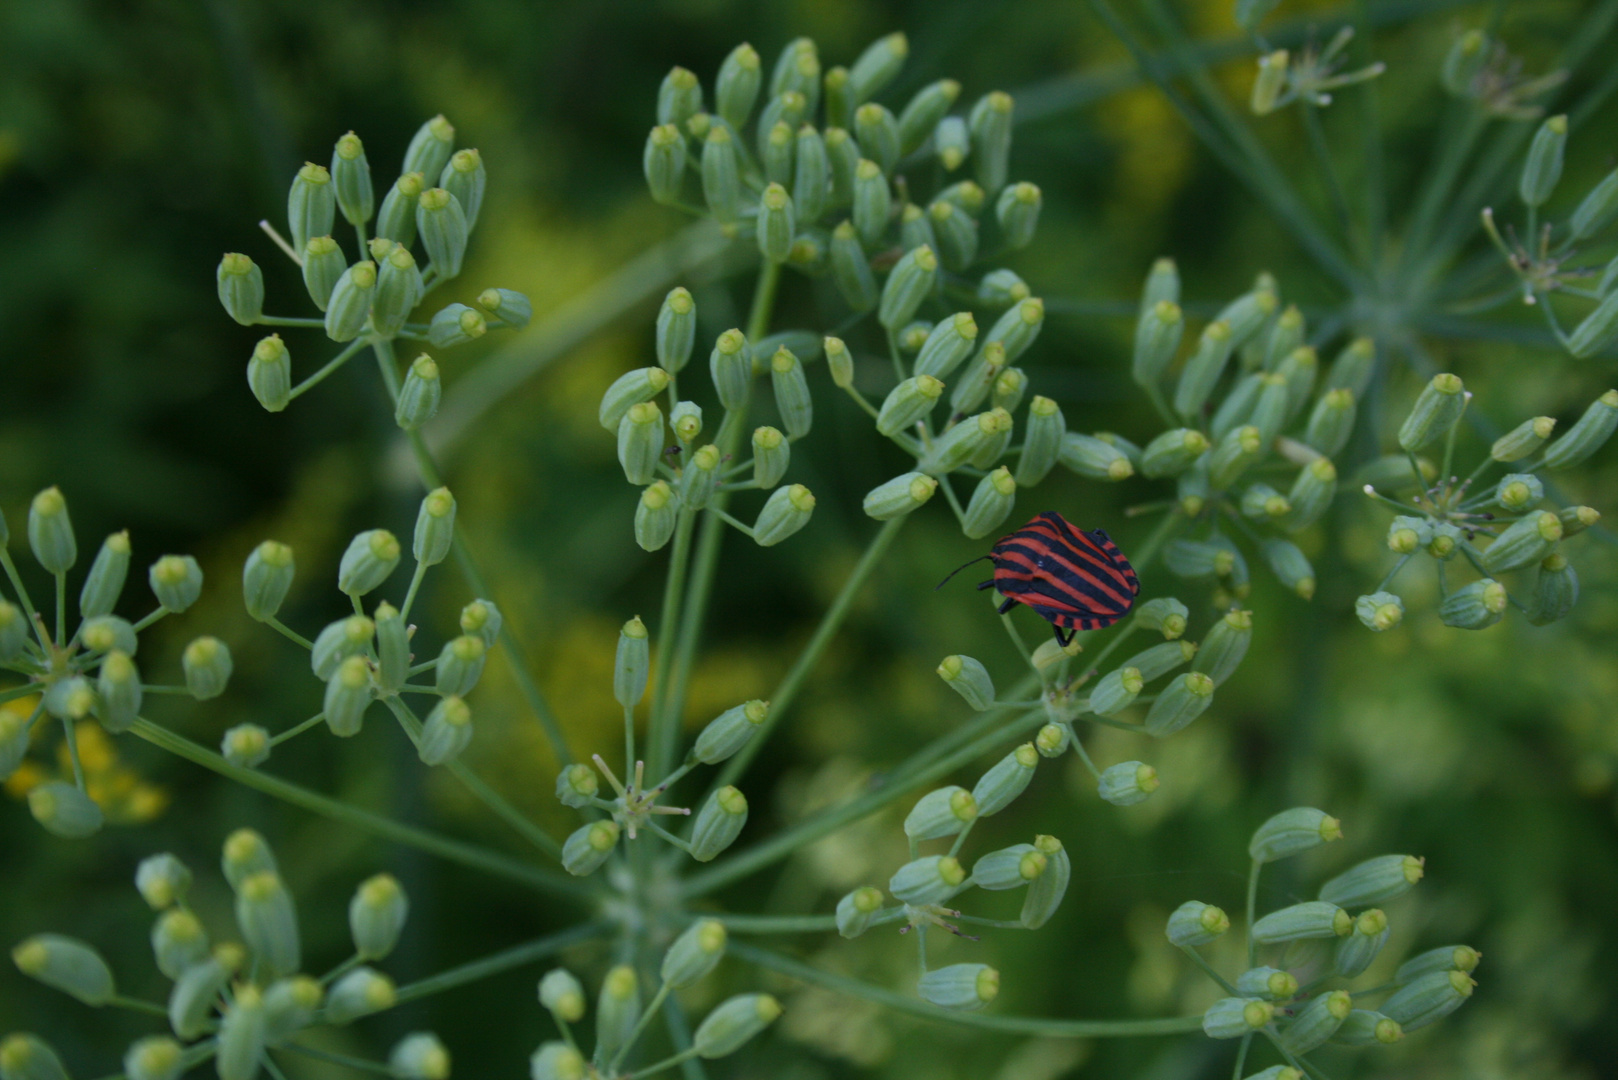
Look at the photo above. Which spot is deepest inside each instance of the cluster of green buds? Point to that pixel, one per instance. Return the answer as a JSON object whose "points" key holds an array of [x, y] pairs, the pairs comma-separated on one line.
{"points": [[365, 658], [1446, 518], [82, 670], [230, 1001], [1551, 259], [1307, 77], [1480, 70], [1302, 959], [635, 805], [431, 208], [1262, 424], [621, 1018]]}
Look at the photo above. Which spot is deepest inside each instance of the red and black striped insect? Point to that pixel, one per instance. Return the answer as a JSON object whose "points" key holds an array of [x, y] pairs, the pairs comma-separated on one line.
{"points": [[1075, 580]]}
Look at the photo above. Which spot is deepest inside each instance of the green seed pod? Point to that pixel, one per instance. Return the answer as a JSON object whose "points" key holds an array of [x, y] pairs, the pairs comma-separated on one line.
{"points": [[1128, 783], [851, 270], [632, 666], [1181, 701], [1290, 566], [1353, 368], [843, 155], [350, 303], [370, 557], [447, 731], [679, 98], [1311, 494], [361, 992], [943, 812], [1173, 452], [397, 219], [241, 288], [1317, 1022], [1157, 338], [970, 679], [1042, 441], [268, 922], [736, 88], [246, 746], [195, 992], [1005, 780], [178, 942], [640, 442], [311, 205], [269, 374], [924, 112], [338, 641], [1226, 644], [430, 147], [736, 1020], [856, 910], [1474, 607], [700, 478], [791, 393], [877, 66], [1298, 370], [1270, 81], [351, 180], [952, 142], [162, 881], [435, 527], [1366, 1028], [1311, 919], [509, 306], [777, 223], [562, 995], [420, 395], [1464, 61], [576, 785], [1436, 410], [245, 853], [1090, 457], [656, 515], [1444, 959], [1009, 389], [877, 132], [1556, 591], [207, 666], [1165, 615], [1267, 982], [1518, 491], [907, 286], [721, 176], [839, 362], [156, 1057], [731, 730], [1587, 435], [1116, 691], [694, 954], [1017, 328], [1332, 422], [1528, 540], [1356, 951], [376, 916], [323, 266], [348, 695], [460, 665], [50, 532], [1291, 831], [1196, 923], [961, 987], [1237, 451], [730, 365], [991, 503], [899, 496], [1053, 740], [945, 227], [1595, 211], [1428, 998], [1203, 369], [442, 224], [588, 847], [1046, 891], [106, 577], [399, 289], [991, 122], [1523, 439], [772, 453], [873, 204], [1002, 288], [419, 1056], [66, 964], [718, 823], [25, 1057], [1543, 166], [1379, 611], [929, 880], [785, 512], [1017, 210], [1235, 1017], [629, 390], [176, 581], [977, 381]]}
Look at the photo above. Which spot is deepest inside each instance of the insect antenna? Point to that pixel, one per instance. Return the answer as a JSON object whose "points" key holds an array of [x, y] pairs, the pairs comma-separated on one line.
{"points": [[958, 569]]}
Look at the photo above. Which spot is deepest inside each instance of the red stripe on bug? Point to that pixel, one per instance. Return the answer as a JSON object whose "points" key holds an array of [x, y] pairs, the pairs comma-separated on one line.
{"points": [[1070, 578]]}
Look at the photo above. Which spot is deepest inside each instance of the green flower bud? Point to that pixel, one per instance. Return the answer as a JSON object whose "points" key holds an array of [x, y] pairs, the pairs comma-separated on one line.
{"points": [[376, 916], [736, 89], [1465, 60], [1248, 313], [420, 394], [873, 204], [70, 699], [797, 70], [435, 527], [1182, 701], [990, 122], [632, 667], [694, 953], [442, 223], [50, 532], [1234, 1017], [907, 286], [1446, 540], [162, 880], [1226, 644], [843, 156], [656, 515], [1237, 407], [1317, 1022], [617, 1011], [1290, 566], [556, 1061], [924, 112], [1298, 371], [970, 679], [778, 153], [370, 557], [460, 665], [1203, 369], [351, 180], [361, 992], [1523, 439], [856, 910], [1237, 451], [311, 205], [1379, 611], [13, 638], [791, 393], [685, 420], [1157, 338], [156, 1057], [1366, 1028], [1556, 591], [1267, 982], [1017, 210], [1285, 336], [731, 730], [878, 135], [1271, 80], [1009, 868], [338, 641], [811, 176], [944, 812], [104, 633], [730, 365], [1172, 452], [956, 234], [396, 220], [733, 1023], [1292, 831], [1311, 919], [1006, 780], [430, 147], [977, 381], [1530, 538], [241, 288], [509, 306], [268, 922], [245, 853], [25, 1057], [1128, 783], [772, 453], [1588, 434], [1271, 400], [588, 847], [1165, 615], [1543, 166], [1311, 494], [851, 270], [1436, 410], [1428, 998], [777, 223], [1476, 606], [1356, 951], [1116, 691], [721, 175], [960, 986], [447, 731], [348, 695], [1042, 442], [1353, 368], [207, 665], [1090, 457], [66, 964], [718, 823], [1196, 923], [1444, 959], [1331, 423], [877, 66], [1053, 740], [929, 880], [576, 785], [952, 142], [246, 746], [1595, 211], [176, 581], [456, 324], [562, 995], [399, 289], [1199, 558], [269, 373], [785, 512], [481, 618], [1009, 389], [1017, 328], [1045, 892], [991, 503], [839, 362], [195, 992], [419, 1056], [679, 98], [178, 942], [629, 390], [899, 496], [350, 303]]}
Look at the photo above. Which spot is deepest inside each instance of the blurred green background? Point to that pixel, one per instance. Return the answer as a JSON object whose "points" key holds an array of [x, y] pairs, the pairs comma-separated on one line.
{"points": [[139, 140]]}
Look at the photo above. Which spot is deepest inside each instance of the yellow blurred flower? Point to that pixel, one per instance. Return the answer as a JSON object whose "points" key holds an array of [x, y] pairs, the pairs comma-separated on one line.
{"points": [[122, 794]]}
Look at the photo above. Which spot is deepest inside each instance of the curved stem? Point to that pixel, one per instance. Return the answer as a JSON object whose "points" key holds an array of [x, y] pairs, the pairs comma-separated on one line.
{"points": [[499, 962], [663, 726]]}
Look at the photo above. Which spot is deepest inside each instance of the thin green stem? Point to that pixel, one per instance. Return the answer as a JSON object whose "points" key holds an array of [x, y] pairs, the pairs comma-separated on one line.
{"points": [[663, 727], [61, 609], [150, 618], [410, 594], [1252, 908], [629, 739], [330, 366], [666, 1063], [15, 692], [651, 1010], [388, 365], [71, 737], [27, 604], [1241, 1057], [502, 961], [336, 1059], [729, 519], [1084, 756], [444, 847], [778, 924], [1208, 969], [288, 320], [1328, 167], [151, 1008], [287, 632], [997, 924], [342, 969], [1026, 1025]]}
